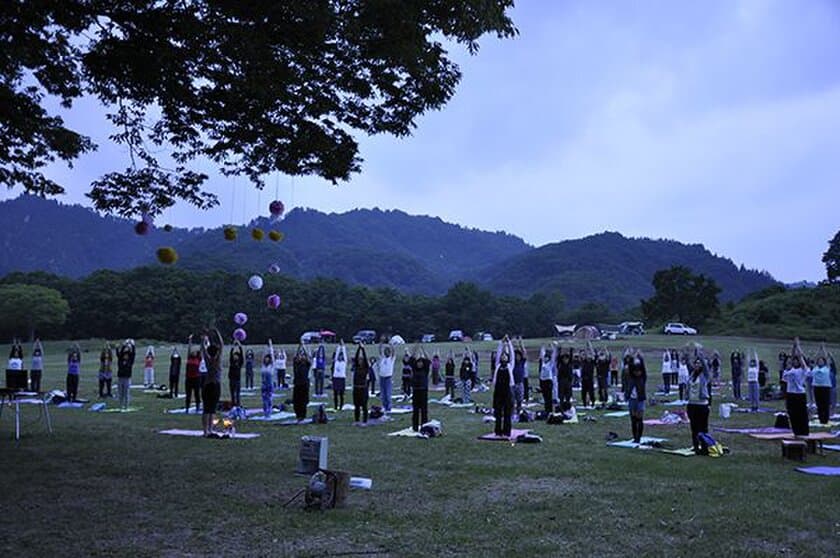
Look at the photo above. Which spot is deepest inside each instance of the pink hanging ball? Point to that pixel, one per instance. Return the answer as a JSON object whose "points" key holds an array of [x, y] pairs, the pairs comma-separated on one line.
{"points": [[273, 301], [276, 208], [142, 228], [239, 334]]}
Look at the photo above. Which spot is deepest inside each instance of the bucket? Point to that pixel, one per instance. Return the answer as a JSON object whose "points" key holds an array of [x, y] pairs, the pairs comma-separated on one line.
{"points": [[725, 410]]}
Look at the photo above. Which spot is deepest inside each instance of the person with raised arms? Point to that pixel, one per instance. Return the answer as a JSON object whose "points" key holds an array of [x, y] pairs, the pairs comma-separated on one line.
{"points": [[212, 347], [174, 372], [249, 369], [698, 395], [602, 370], [795, 399], [267, 379], [125, 367], [192, 376], [37, 368], [449, 375], [466, 375], [547, 360], [300, 389], [235, 362], [635, 392], [518, 375], [106, 365], [387, 357], [503, 386], [406, 373], [280, 367], [339, 375], [752, 381], [420, 366], [360, 393], [74, 366], [149, 368], [319, 360], [821, 381]]}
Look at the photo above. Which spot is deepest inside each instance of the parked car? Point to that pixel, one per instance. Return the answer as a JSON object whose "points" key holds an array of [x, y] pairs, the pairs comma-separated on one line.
{"points": [[456, 335], [676, 328], [485, 336], [310, 337], [428, 338], [365, 337], [396, 340], [631, 328]]}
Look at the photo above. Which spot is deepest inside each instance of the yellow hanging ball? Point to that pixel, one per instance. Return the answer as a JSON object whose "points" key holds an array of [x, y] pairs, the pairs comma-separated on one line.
{"points": [[257, 234], [167, 255], [276, 236], [230, 233]]}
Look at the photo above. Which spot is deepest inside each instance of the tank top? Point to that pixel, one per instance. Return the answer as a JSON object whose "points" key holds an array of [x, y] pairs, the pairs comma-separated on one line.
{"points": [[192, 367]]}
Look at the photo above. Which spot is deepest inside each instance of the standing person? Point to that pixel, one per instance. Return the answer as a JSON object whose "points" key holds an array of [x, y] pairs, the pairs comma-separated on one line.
{"points": [[235, 362], [436, 368], [149, 368], [339, 375], [466, 374], [821, 381], [300, 388], [37, 367], [249, 369], [320, 361], [602, 370], [737, 363], [406, 373], [752, 382], [635, 393], [503, 386], [449, 375], [614, 371], [266, 378], [212, 348], [280, 367], [587, 379], [832, 367], [675, 367], [683, 377], [373, 369], [795, 399], [716, 367], [763, 373], [74, 365], [518, 377], [174, 372], [420, 367], [547, 378], [15, 374], [387, 357], [666, 371], [106, 361], [564, 376], [360, 393], [125, 365], [192, 375], [698, 394]]}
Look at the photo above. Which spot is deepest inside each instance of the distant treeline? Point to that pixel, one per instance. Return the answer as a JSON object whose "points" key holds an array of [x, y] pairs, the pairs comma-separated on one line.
{"points": [[169, 303]]}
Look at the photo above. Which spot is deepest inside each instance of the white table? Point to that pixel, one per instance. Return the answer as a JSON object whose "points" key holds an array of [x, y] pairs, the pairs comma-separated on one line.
{"points": [[17, 398]]}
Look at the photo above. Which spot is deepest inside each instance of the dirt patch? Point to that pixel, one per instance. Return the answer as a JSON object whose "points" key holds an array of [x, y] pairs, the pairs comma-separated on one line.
{"points": [[528, 488]]}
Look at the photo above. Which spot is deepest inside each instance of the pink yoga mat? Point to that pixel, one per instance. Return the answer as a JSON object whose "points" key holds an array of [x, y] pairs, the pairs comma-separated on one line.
{"points": [[493, 438]]}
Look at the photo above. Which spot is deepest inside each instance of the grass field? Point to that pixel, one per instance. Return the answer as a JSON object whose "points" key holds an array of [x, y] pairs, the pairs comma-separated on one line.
{"points": [[108, 484]]}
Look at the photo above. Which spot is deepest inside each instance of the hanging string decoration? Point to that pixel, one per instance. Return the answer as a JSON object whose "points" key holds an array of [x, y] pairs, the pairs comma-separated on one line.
{"points": [[167, 255]]}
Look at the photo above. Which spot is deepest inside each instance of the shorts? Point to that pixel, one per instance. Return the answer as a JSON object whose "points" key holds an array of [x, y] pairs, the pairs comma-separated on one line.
{"points": [[210, 394], [636, 407]]}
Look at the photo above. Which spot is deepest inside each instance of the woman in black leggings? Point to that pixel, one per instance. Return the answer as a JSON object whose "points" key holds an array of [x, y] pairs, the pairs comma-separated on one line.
{"points": [[300, 391], [503, 389], [697, 409], [360, 392]]}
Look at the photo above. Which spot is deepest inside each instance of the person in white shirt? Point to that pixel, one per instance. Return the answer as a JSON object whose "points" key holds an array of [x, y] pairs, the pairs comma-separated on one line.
{"points": [[795, 399], [547, 378], [666, 371], [752, 382], [387, 357], [339, 375], [280, 367]]}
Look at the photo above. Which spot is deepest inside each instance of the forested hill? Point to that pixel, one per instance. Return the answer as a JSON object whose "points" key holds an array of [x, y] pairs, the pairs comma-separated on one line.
{"points": [[372, 247], [415, 254], [615, 270]]}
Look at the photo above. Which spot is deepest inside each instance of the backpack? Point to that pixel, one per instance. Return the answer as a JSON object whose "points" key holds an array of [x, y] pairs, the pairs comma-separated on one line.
{"points": [[431, 430], [528, 438], [782, 420], [320, 416], [709, 446], [376, 412]]}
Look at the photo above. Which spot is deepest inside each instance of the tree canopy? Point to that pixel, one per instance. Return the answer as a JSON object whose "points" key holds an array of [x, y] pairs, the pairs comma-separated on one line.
{"points": [[254, 87], [681, 295], [831, 259], [25, 309]]}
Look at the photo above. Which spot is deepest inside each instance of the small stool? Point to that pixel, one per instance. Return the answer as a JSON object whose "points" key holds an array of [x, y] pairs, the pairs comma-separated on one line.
{"points": [[794, 449]]}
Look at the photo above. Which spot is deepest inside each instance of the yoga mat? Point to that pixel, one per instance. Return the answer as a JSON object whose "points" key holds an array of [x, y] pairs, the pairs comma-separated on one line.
{"points": [[616, 414], [659, 422], [200, 434], [28, 401], [461, 405], [514, 433], [831, 447], [747, 410], [760, 430], [822, 471], [816, 424], [118, 410], [684, 452], [407, 433], [677, 403], [398, 411], [373, 422], [439, 402], [814, 436], [70, 405], [192, 411], [645, 440], [280, 415]]}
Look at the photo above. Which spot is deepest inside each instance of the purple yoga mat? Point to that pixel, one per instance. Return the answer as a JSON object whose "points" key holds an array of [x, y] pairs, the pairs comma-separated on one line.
{"points": [[761, 430], [822, 471]]}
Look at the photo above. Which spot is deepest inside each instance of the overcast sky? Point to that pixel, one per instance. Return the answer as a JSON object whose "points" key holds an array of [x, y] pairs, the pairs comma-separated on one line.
{"points": [[713, 122]]}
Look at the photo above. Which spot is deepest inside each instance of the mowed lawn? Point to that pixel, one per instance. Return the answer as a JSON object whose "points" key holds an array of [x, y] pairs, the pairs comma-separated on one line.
{"points": [[109, 484]]}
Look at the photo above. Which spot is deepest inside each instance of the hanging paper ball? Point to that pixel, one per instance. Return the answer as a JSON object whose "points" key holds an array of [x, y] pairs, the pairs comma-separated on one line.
{"points": [[255, 282], [276, 209], [239, 334], [276, 236], [274, 268], [240, 318], [273, 301], [167, 255], [167, 228], [257, 234], [142, 228], [230, 233]]}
